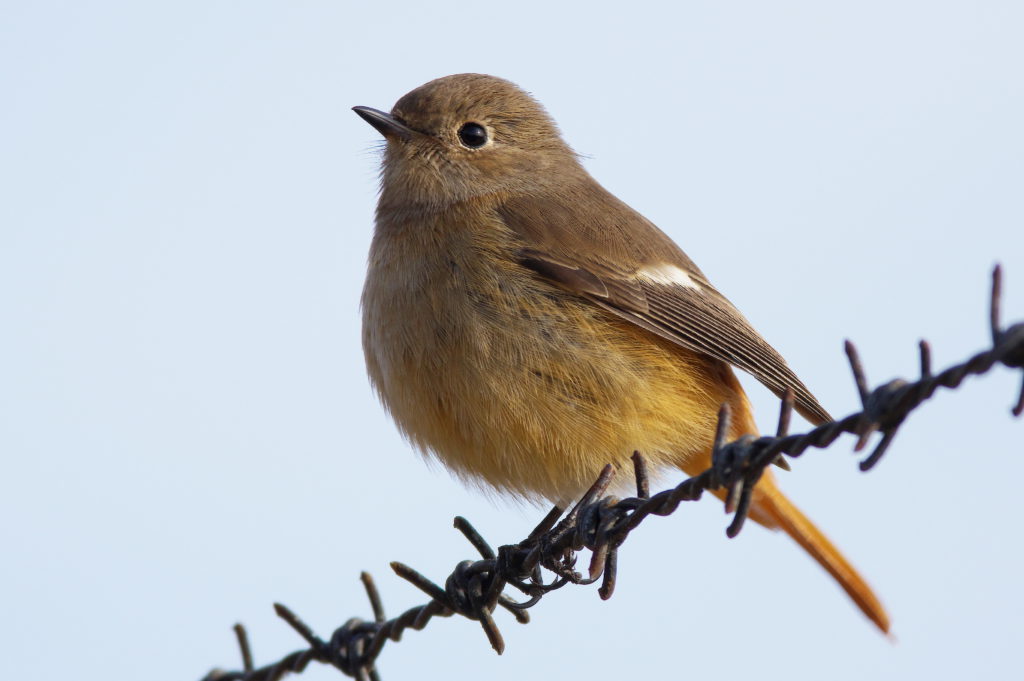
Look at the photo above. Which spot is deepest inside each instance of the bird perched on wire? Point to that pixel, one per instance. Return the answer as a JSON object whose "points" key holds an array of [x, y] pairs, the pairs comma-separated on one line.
{"points": [[526, 327]]}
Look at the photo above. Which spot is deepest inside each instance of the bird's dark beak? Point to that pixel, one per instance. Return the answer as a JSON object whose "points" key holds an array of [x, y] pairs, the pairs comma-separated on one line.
{"points": [[386, 124]]}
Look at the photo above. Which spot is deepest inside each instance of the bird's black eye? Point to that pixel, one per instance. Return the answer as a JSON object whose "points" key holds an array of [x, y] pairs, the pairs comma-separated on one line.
{"points": [[473, 135]]}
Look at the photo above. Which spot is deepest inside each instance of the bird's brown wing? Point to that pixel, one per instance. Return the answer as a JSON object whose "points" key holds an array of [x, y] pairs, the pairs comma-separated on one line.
{"points": [[590, 243]]}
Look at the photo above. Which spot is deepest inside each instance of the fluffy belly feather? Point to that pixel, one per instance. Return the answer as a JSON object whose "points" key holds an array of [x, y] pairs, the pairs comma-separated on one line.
{"points": [[520, 386]]}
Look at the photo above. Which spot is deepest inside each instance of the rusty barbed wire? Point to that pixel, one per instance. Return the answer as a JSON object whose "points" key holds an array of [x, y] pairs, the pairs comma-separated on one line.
{"points": [[601, 523]]}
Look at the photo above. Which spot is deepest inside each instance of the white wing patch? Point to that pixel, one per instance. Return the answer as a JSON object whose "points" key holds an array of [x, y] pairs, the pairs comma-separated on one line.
{"points": [[668, 274]]}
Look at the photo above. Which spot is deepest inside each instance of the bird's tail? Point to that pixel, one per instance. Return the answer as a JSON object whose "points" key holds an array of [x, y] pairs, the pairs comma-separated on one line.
{"points": [[771, 507]]}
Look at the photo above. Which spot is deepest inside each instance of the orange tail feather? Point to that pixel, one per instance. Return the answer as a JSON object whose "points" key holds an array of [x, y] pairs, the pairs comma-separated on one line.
{"points": [[770, 501], [771, 508]]}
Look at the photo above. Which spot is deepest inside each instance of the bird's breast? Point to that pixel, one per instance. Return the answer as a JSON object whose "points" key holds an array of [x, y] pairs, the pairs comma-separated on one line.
{"points": [[512, 381]]}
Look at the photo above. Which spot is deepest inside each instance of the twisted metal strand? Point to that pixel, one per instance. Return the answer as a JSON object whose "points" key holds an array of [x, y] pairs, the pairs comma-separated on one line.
{"points": [[601, 524]]}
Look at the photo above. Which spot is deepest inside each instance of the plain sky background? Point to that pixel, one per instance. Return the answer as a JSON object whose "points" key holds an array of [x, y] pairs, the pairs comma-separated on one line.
{"points": [[186, 431]]}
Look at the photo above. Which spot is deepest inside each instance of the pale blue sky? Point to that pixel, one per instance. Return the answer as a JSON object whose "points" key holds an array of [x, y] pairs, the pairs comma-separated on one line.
{"points": [[186, 431]]}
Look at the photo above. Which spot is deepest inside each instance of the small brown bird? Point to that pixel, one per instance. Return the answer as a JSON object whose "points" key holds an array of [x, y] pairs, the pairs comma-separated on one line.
{"points": [[526, 327]]}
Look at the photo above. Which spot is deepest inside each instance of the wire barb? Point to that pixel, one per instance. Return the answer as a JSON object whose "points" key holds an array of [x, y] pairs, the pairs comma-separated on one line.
{"points": [[298, 625], [600, 524], [643, 483], [243, 646], [785, 417], [373, 596]]}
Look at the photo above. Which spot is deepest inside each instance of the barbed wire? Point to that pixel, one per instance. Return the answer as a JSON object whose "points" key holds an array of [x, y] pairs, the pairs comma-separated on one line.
{"points": [[601, 523]]}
